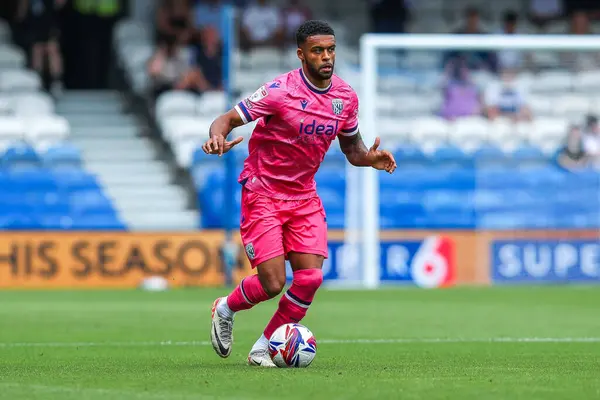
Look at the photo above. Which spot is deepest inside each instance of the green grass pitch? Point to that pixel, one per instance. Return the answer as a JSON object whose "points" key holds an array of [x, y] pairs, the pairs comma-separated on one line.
{"points": [[462, 343]]}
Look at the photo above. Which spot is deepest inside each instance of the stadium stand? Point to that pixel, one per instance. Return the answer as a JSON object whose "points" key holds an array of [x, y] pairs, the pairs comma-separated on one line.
{"points": [[465, 173], [44, 183]]}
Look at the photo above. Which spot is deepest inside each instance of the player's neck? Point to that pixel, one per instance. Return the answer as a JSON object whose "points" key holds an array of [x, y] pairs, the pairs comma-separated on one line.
{"points": [[319, 84]]}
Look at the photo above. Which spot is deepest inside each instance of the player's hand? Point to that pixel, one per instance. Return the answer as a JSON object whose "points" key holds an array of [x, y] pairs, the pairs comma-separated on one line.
{"points": [[218, 145], [381, 159]]}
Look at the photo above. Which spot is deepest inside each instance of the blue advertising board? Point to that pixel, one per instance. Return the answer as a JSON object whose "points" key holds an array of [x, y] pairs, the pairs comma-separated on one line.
{"points": [[426, 263], [545, 261]]}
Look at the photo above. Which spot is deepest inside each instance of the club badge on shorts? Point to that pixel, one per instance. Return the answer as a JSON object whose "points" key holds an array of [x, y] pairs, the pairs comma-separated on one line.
{"points": [[250, 251], [337, 105]]}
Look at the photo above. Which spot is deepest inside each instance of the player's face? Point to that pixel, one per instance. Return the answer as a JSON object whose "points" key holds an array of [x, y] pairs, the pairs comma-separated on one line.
{"points": [[318, 52]]}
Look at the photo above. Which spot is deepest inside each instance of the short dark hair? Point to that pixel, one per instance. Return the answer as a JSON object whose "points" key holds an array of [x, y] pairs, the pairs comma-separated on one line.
{"points": [[510, 16], [312, 28], [471, 11]]}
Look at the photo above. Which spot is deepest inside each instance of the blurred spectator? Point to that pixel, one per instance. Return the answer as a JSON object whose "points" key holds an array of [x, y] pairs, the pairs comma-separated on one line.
{"points": [[510, 58], [579, 24], [505, 98], [169, 69], [590, 7], [476, 60], [174, 18], [461, 94], [389, 16], [294, 14], [572, 155], [541, 12], [591, 140], [472, 23], [40, 21], [262, 25], [209, 60], [208, 13], [91, 34]]}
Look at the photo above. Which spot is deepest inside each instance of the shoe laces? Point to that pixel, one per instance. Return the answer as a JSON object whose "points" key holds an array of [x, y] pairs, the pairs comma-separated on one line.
{"points": [[225, 326]]}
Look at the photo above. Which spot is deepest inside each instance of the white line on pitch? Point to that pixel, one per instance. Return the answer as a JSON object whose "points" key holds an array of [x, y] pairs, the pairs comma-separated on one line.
{"points": [[324, 341]]}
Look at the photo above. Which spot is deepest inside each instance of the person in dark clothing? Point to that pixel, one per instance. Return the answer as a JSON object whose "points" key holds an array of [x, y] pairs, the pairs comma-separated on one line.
{"points": [[209, 57], [389, 16], [572, 156], [476, 60], [174, 18], [40, 22]]}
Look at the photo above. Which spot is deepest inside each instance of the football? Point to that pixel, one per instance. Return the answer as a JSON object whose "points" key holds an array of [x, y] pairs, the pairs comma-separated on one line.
{"points": [[292, 346]]}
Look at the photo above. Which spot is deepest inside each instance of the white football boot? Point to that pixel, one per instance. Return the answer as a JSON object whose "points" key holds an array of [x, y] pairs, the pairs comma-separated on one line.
{"points": [[260, 358], [221, 333]]}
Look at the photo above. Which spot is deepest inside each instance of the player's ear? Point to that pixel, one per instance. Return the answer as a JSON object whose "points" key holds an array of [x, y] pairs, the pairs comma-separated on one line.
{"points": [[300, 54]]}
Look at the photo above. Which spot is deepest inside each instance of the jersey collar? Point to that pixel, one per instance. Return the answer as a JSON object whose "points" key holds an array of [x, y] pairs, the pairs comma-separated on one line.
{"points": [[313, 87]]}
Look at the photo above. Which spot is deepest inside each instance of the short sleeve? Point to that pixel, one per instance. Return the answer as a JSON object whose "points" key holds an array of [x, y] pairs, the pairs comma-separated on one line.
{"points": [[267, 100], [350, 126]]}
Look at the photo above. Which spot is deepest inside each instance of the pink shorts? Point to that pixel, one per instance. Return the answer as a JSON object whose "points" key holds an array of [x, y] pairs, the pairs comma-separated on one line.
{"points": [[272, 227]]}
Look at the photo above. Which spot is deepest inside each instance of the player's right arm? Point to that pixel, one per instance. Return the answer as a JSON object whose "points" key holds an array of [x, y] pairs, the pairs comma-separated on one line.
{"points": [[266, 101], [217, 142]]}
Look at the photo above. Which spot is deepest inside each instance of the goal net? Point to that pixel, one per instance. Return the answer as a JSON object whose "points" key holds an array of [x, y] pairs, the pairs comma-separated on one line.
{"points": [[496, 142]]}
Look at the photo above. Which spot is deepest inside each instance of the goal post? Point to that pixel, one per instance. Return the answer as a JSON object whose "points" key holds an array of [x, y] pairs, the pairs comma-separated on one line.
{"points": [[363, 229]]}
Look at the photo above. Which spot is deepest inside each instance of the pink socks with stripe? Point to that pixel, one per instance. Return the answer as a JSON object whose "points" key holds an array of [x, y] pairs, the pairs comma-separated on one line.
{"points": [[294, 303], [247, 294]]}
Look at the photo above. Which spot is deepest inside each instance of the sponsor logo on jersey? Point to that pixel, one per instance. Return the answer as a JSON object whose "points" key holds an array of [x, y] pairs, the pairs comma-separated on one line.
{"points": [[337, 105], [313, 128], [250, 251], [260, 94], [248, 104]]}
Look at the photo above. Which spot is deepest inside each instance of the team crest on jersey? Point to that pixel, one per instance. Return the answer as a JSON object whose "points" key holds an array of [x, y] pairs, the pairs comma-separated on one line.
{"points": [[250, 251], [337, 105], [260, 94]]}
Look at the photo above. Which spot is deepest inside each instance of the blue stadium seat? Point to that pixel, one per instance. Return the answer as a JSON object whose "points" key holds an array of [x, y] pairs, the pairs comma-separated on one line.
{"points": [[20, 156], [64, 155], [489, 156], [75, 180], [334, 157], [98, 223], [490, 190], [200, 157], [450, 155], [409, 155], [528, 154], [20, 222]]}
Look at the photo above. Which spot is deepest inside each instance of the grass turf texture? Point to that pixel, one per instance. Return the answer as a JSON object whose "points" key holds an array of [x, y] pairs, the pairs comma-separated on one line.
{"points": [[105, 366]]}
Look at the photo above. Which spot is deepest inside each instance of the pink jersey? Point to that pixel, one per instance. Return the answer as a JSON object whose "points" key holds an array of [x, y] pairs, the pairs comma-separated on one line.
{"points": [[296, 124]]}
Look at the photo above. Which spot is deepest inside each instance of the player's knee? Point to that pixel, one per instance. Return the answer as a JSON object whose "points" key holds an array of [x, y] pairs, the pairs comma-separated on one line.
{"points": [[273, 285], [311, 279]]}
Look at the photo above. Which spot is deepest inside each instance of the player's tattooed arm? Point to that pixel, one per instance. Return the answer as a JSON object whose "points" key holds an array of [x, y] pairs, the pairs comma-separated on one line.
{"points": [[355, 150], [358, 155], [221, 127]]}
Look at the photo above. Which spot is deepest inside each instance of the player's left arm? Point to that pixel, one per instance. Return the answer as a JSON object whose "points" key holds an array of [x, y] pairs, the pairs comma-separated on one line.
{"points": [[354, 148], [359, 155]]}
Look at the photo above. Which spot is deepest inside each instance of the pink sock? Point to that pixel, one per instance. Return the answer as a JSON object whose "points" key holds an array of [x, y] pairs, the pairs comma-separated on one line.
{"points": [[247, 294], [294, 303]]}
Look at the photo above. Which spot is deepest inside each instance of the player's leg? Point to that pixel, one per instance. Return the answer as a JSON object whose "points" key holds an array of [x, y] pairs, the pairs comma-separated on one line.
{"points": [[262, 238], [305, 243], [294, 303]]}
